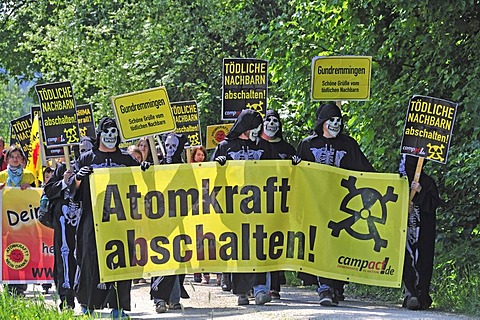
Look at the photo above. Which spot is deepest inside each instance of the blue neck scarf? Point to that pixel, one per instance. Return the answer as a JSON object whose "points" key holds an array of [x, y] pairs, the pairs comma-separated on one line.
{"points": [[14, 176]]}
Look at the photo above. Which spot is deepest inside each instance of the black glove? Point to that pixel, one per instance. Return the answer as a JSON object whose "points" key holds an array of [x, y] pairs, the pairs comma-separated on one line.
{"points": [[83, 173], [145, 165], [296, 160], [221, 160]]}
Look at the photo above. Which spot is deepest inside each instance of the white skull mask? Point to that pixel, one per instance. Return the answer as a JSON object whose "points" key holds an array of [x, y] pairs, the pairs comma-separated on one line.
{"points": [[171, 145], [271, 125], [109, 137], [253, 134], [333, 126]]}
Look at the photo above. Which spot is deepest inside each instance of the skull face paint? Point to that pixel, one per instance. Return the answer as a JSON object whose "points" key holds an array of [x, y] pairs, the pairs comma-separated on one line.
{"points": [[253, 133], [271, 125], [333, 126], [109, 137]]}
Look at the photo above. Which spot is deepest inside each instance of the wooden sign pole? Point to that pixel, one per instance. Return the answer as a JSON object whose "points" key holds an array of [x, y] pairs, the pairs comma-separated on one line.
{"points": [[416, 177]]}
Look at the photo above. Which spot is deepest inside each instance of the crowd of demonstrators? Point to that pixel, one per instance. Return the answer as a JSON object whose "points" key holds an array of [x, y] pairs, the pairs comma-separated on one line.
{"points": [[420, 245], [76, 271], [328, 145]]}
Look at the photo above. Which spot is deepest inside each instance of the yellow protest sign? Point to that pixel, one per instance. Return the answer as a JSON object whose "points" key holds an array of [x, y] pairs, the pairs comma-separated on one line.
{"points": [[341, 78], [250, 216], [216, 134], [143, 113]]}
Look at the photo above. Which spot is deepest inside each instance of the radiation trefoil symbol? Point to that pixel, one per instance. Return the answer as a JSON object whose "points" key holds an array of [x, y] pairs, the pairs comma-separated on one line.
{"points": [[362, 204]]}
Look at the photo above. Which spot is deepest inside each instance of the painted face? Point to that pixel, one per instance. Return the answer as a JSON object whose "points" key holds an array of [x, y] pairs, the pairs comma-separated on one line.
{"points": [[109, 137], [271, 125], [333, 126], [253, 133]]}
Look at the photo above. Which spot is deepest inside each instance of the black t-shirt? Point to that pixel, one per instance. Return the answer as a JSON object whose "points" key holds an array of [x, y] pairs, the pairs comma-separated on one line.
{"points": [[239, 149]]}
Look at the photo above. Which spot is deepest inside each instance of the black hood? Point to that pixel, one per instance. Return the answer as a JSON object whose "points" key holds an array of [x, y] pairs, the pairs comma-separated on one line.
{"points": [[247, 120], [325, 112]]}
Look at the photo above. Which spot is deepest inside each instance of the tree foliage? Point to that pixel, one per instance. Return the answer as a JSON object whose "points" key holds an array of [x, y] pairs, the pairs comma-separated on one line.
{"points": [[106, 48]]}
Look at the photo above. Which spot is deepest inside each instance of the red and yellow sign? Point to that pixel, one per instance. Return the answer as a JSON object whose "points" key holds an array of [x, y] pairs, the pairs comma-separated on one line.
{"points": [[27, 245]]}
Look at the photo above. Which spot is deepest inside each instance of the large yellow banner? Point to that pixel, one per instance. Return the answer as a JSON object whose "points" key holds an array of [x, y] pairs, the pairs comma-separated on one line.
{"points": [[250, 216]]}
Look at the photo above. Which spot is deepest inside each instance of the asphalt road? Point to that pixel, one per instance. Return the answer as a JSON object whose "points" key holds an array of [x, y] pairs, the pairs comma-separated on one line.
{"points": [[208, 301]]}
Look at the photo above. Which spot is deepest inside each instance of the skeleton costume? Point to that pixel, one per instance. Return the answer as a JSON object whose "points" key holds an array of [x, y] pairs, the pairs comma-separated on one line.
{"points": [[91, 294], [341, 151], [254, 148], [66, 217], [170, 289], [420, 244], [173, 145], [281, 149]]}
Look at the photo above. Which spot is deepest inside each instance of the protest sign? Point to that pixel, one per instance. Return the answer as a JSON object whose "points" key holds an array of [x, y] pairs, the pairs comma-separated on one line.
{"points": [[428, 128], [59, 115], [341, 78], [244, 86], [20, 129], [86, 122], [187, 122], [143, 113], [55, 152], [216, 134], [250, 216], [27, 245]]}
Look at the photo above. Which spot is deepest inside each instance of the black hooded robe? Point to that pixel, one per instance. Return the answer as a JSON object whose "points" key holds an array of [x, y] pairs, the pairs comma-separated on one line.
{"points": [[342, 152], [421, 232], [88, 276]]}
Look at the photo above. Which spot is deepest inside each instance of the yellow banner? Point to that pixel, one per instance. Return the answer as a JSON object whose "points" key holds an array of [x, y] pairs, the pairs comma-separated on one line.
{"points": [[216, 134], [250, 216]]}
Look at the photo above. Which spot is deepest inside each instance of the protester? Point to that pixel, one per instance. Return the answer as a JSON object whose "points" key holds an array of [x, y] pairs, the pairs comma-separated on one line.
{"points": [[92, 294], [170, 288], [144, 147], [420, 245], [327, 145], [243, 143], [66, 215], [281, 149], [16, 176]]}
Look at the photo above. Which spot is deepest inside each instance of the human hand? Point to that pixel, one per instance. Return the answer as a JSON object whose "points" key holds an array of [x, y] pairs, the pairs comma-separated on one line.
{"points": [[221, 160], [102, 286], [145, 165], [417, 187], [296, 160], [83, 173], [67, 174], [24, 186]]}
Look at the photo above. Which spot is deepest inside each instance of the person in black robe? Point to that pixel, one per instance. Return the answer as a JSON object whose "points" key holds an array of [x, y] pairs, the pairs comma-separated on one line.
{"points": [[281, 149], [92, 294], [243, 143], [166, 291], [66, 217], [327, 145], [420, 244]]}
